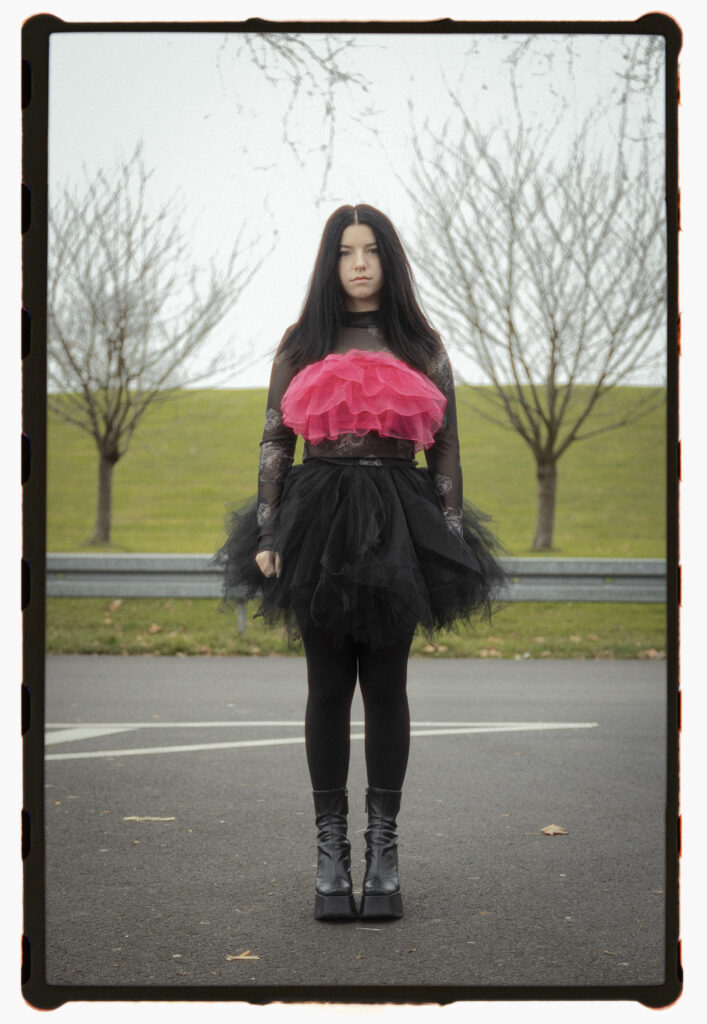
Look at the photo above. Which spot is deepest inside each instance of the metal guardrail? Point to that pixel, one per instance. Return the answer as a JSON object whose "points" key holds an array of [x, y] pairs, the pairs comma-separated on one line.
{"points": [[641, 580], [173, 575]]}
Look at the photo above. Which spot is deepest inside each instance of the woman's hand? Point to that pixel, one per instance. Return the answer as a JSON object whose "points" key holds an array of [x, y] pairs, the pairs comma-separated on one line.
{"points": [[268, 562]]}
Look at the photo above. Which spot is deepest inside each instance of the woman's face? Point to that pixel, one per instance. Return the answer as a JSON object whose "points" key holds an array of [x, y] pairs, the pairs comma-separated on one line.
{"points": [[360, 271]]}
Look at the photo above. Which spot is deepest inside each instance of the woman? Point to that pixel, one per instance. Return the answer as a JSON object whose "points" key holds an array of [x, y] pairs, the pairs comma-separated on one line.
{"points": [[357, 546]]}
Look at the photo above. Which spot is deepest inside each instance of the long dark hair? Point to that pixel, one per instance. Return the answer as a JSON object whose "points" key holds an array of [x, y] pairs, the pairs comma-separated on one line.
{"points": [[408, 334]]}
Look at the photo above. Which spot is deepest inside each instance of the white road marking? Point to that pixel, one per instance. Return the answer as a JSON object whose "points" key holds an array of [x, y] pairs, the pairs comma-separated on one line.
{"points": [[417, 729], [222, 724], [67, 734]]}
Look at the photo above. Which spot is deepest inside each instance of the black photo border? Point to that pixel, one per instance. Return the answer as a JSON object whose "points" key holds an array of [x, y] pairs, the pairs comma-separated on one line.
{"points": [[35, 100]]}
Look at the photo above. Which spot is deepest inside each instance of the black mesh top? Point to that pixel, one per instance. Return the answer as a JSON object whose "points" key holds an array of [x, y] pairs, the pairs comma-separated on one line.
{"points": [[361, 331]]}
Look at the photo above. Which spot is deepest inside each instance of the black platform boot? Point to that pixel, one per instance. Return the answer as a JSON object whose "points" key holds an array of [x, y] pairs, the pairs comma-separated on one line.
{"points": [[381, 888], [334, 892]]}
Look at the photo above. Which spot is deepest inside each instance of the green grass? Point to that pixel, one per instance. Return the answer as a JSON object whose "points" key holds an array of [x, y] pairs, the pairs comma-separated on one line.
{"points": [[197, 453], [538, 630]]}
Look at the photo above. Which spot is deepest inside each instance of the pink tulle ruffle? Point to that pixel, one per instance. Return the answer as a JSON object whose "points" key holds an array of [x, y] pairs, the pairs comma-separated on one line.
{"points": [[357, 392]]}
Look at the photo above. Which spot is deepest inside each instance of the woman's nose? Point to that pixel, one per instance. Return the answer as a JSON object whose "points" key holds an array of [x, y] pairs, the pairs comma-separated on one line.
{"points": [[360, 260]]}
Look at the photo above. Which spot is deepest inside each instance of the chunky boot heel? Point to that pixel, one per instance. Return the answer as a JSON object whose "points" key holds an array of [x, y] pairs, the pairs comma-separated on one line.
{"points": [[381, 887], [334, 890]]}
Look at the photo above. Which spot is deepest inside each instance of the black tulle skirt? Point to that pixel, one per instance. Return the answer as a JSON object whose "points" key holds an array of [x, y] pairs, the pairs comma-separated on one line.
{"points": [[366, 553]]}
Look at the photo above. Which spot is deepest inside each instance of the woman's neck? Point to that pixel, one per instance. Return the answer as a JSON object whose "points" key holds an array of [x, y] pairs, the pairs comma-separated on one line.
{"points": [[360, 306], [354, 317]]}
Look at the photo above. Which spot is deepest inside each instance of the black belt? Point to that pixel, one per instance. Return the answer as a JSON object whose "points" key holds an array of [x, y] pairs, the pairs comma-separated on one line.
{"points": [[363, 460]]}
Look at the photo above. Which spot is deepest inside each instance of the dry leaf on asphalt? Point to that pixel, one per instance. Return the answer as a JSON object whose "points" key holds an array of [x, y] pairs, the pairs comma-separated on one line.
{"points": [[554, 830], [242, 956]]}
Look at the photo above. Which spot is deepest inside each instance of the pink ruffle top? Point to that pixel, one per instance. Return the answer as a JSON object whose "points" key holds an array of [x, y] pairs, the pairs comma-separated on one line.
{"points": [[357, 392]]}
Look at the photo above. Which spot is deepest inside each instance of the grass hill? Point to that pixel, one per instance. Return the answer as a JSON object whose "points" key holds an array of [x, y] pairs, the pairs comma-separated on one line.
{"points": [[197, 452]]}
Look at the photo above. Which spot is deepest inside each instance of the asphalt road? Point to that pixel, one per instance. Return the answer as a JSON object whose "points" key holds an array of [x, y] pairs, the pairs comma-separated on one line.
{"points": [[210, 752]]}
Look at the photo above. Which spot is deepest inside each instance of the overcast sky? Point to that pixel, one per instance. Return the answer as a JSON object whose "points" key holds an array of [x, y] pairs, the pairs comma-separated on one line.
{"points": [[212, 128]]}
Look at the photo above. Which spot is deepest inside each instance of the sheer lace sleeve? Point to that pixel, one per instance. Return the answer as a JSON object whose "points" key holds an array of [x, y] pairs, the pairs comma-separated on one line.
{"points": [[277, 450], [443, 456]]}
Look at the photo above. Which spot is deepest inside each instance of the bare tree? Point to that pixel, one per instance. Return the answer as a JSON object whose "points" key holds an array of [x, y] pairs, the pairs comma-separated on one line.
{"points": [[127, 311], [550, 272]]}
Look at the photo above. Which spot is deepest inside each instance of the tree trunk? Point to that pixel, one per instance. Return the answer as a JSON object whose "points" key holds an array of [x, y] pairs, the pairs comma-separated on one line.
{"points": [[546, 473], [105, 499]]}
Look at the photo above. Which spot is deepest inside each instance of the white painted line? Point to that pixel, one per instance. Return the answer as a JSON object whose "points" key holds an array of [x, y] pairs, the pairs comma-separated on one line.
{"points": [[68, 734], [508, 727], [132, 752], [188, 748], [179, 725], [245, 723]]}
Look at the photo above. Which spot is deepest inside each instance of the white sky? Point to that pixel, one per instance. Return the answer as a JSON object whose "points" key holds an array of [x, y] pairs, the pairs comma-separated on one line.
{"points": [[211, 126]]}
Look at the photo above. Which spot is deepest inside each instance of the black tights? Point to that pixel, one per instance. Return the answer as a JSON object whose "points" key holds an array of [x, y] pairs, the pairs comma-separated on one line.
{"points": [[331, 675]]}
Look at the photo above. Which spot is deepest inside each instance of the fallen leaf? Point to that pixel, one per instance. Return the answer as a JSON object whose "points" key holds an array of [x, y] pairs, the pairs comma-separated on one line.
{"points": [[489, 652], [242, 956], [609, 952], [575, 639], [554, 830], [136, 818], [154, 628]]}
